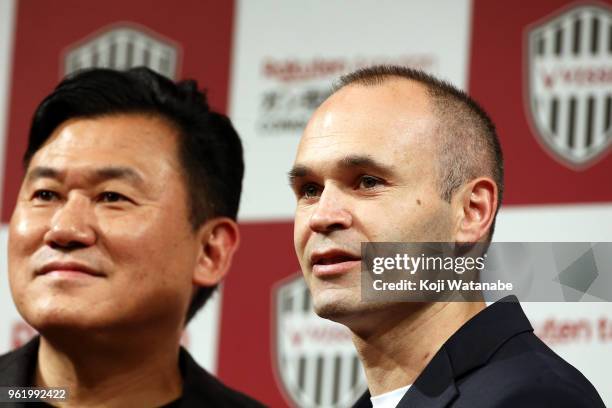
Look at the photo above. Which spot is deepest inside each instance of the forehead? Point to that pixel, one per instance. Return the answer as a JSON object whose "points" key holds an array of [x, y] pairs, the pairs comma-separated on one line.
{"points": [[130, 139], [389, 122]]}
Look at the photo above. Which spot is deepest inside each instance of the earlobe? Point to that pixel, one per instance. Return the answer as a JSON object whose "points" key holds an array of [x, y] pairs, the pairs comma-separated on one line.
{"points": [[477, 206], [219, 239]]}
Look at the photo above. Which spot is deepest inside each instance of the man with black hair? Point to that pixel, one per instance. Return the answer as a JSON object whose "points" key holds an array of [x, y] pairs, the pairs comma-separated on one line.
{"points": [[396, 155], [124, 225]]}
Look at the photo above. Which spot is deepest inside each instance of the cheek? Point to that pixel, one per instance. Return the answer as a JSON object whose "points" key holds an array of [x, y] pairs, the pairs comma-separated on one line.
{"points": [[126, 240], [154, 246], [301, 234], [301, 230], [24, 238], [26, 234], [382, 219], [144, 228], [403, 218]]}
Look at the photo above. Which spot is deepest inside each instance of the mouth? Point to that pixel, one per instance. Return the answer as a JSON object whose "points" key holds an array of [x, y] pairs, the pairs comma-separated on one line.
{"points": [[67, 270], [333, 262]]}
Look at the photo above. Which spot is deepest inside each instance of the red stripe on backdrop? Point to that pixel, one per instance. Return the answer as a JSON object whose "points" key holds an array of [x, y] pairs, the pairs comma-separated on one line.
{"points": [[45, 29], [498, 63], [266, 256]]}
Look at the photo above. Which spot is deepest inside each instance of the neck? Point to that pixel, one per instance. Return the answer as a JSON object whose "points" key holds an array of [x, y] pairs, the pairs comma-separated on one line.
{"points": [[396, 352], [136, 372]]}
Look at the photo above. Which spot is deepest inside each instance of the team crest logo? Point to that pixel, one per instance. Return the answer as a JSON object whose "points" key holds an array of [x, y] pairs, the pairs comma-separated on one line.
{"points": [[123, 47], [316, 364], [569, 83]]}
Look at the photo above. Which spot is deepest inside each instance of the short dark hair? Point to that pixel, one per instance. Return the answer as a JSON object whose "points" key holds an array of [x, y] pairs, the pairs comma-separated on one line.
{"points": [[469, 145], [210, 150]]}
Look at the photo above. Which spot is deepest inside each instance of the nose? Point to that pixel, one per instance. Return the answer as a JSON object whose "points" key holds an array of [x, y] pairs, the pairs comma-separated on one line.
{"points": [[70, 226], [331, 212]]}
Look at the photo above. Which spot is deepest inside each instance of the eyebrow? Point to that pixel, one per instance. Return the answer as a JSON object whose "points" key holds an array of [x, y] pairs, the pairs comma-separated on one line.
{"points": [[97, 176], [364, 162]]}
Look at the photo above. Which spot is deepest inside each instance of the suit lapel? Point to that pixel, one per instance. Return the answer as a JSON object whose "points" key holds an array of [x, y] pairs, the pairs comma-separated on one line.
{"points": [[434, 388], [469, 348], [474, 344]]}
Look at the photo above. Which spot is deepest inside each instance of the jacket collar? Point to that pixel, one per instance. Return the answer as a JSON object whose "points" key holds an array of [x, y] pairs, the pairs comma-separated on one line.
{"points": [[19, 366], [469, 348]]}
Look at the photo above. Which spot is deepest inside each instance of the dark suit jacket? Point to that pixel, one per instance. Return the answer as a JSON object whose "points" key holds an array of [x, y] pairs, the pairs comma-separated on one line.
{"points": [[495, 360], [200, 389]]}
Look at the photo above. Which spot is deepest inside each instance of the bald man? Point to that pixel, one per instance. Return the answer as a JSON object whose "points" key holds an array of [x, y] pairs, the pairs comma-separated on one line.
{"points": [[396, 155]]}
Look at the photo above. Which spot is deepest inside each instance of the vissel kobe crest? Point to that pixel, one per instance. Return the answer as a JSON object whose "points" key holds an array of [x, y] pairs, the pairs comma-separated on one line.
{"points": [[316, 363], [569, 83], [124, 46]]}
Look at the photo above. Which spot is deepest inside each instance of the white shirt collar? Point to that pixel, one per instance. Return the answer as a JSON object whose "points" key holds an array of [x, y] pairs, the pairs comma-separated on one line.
{"points": [[389, 399]]}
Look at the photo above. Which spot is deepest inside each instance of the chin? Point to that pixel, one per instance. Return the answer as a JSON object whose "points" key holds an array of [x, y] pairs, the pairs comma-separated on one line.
{"points": [[54, 319], [358, 316], [332, 311], [56, 313], [337, 306]]}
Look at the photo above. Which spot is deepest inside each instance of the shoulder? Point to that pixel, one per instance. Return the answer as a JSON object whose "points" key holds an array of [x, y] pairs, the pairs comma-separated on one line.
{"points": [[546, 393], [17, 366], [201, 387], [525, 372]]}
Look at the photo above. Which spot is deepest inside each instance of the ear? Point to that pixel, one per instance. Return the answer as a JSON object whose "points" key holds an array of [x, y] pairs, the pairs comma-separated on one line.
{"points": [[219, 239], [475, 204]]}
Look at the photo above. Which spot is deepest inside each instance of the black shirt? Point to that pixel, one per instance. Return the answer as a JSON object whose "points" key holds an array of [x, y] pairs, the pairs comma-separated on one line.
{"points": [[17, 369]]}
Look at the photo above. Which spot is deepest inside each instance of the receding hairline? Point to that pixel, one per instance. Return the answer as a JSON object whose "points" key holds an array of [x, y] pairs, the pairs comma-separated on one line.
{"points": [[438, 90], [427, 106], [435, 96], [376, 79], [379, 80]]}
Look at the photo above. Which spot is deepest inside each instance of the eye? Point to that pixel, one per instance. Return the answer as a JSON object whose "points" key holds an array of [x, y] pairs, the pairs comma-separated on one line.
{"points": [[111, 197], [45, 195], [310, 190], [368, 182]]}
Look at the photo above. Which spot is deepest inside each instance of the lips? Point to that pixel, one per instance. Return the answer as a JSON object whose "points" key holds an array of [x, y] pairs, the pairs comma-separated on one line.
{"points": [[67, 269], [333, 262]]}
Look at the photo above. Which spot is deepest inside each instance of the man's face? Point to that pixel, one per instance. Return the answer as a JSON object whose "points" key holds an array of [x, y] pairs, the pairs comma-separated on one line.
{"points": [[365, 171], [100, 235]]}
